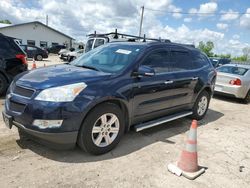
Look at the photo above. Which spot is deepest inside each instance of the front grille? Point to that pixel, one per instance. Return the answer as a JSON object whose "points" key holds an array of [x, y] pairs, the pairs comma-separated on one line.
{"points": [[16, 107], [22, 91]]}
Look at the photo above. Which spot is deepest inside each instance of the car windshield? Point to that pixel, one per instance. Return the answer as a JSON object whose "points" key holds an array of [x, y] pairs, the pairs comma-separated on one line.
{"points": [[233, 70], [110, 58]]}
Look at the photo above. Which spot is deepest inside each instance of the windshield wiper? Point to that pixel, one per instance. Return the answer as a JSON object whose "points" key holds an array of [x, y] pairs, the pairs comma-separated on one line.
{"points": [[88, 67]]}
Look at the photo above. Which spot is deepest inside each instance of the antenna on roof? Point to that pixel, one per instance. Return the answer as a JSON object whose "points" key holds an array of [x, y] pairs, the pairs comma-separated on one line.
{"points": [[116, 34], [95, 33]]}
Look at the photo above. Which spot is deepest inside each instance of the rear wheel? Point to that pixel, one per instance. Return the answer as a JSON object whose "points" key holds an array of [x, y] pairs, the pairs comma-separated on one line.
{"points": [[102, 129], [247, 98], [201, 106], [3, 84], [39, 57]]}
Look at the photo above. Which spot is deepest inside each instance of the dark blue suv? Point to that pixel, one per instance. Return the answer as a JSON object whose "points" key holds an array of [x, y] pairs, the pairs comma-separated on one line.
{"points": [[96, 98]]}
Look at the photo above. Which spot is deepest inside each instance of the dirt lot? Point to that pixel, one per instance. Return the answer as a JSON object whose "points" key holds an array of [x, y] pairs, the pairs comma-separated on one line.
{"points": [[141, 159]]}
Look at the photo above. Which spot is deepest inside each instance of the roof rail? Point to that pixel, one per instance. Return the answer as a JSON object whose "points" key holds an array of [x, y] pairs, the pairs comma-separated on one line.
{"points": [[131, 37]]}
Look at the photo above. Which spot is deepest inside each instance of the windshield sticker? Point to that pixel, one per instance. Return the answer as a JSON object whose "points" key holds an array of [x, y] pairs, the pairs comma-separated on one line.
{"points": [[122, 51]]}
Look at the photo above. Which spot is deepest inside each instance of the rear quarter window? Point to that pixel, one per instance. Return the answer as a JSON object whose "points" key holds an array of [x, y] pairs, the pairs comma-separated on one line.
{"points": [[199, 60], [8, 47], [233, 70]]}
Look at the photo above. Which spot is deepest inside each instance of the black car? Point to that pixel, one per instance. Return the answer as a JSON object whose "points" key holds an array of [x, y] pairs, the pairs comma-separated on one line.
{"points": [[55, 49], [99, 96], [12, 61], [35, 52], [217, 62]]}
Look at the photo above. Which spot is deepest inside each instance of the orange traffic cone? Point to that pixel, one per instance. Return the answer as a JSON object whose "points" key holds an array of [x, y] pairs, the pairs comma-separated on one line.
{"points": [[34, 64], [188, 163]]}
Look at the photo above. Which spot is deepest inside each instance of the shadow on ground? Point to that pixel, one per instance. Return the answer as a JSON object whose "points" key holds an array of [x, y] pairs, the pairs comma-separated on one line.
{"points": [[228, 99], [130, 142]]}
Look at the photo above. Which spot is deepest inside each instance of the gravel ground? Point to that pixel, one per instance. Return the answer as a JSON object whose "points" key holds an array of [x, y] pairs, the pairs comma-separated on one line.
{"points": [[141, 159]]}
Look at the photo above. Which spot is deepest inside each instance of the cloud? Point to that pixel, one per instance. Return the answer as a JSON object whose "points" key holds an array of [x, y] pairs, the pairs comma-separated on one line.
{"points": [[222, 26], [236, 36], [229, 15], [245, 19], [209, 8], [75, 18], [187, 20]]}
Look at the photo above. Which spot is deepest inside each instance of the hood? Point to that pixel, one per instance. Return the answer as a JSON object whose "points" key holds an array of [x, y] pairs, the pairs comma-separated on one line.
{"points": [[58, 75]]}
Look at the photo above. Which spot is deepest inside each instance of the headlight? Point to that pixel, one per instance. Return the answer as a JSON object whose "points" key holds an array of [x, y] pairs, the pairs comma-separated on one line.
{"points": [[64, 93]]}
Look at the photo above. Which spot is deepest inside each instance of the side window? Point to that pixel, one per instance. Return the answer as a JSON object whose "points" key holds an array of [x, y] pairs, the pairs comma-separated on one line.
{"points": [[199, 60], [159, 61], [180, 61], [29, 48], [98, 42], [89, 45], [31, 42]]}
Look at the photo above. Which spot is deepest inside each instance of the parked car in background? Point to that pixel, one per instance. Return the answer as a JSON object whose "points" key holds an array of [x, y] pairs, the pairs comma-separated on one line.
{"points": [[96, 98], [234, 80], [12, 61], [35, 52], [55, 49], [217, 62], [75, 54], [63, 53]]}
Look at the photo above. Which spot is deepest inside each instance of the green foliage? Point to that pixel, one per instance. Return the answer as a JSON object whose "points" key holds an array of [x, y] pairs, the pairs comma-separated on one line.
{"points": [[223, 56], [240, 58], [5, 21], [207, 48]]}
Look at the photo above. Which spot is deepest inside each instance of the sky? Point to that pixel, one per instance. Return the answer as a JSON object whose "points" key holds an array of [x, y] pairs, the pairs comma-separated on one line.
{"points": [[77, 18]]}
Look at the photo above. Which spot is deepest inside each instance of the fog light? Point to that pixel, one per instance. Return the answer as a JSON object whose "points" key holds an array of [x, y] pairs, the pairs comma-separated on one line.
{"points": [[44, 124]]}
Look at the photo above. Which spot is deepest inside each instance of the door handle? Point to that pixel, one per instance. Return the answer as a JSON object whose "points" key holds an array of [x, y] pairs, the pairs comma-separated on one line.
{"points": [[169, 82], [195, 78]]}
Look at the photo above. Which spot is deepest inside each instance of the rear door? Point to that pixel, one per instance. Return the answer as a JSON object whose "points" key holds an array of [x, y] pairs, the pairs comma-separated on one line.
{"points": [[155, 96], [185, 77]]}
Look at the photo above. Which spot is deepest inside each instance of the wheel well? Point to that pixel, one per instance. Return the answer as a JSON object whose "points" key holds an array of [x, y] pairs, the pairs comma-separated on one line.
{"points": [[121, 105], [6, 78], [207, 89]]}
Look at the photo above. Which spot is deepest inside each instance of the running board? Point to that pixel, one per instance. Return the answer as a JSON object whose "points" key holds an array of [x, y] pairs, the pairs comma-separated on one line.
{"points": [[162, 120]]}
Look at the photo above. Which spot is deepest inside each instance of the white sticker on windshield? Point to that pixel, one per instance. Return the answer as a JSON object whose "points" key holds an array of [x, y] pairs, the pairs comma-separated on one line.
{"points": [[122, 51]]}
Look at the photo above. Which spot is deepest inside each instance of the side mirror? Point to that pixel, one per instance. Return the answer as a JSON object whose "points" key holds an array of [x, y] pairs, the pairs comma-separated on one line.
{"points": [[144, 71]]}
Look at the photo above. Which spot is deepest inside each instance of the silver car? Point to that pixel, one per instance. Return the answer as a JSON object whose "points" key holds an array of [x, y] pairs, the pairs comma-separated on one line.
{"points": [[234, 80]]}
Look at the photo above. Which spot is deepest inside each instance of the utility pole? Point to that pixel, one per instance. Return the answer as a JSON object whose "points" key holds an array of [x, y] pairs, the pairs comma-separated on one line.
{"points": [[142, 13], [47, 19]]}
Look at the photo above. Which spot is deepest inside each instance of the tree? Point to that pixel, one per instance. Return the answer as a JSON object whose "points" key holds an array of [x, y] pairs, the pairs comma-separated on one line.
{"points": [[246, 52], [206, 48], [5, 21]]}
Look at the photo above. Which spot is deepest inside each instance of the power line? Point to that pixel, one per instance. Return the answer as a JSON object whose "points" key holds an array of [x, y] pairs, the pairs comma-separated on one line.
{"points": [[197, 13]]}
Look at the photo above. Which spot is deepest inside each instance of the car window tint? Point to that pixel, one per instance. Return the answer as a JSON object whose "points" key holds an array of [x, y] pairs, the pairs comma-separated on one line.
{"points": [[159, 61], [8, 47], [180, 61], [89, 45], [31, 48], [199, 60], [98, 42], [233, 70]]}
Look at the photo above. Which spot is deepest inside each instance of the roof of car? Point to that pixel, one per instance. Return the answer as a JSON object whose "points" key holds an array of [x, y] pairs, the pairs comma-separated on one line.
{"points": [[238, 65], [154, 43]]}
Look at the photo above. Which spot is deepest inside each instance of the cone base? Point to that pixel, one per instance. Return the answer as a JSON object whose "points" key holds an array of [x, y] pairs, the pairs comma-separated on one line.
{"points": [[193, 175], [189, 175]]}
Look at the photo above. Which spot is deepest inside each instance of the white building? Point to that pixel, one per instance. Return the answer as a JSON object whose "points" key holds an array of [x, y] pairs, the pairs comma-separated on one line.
{"points": [[36, 33]]}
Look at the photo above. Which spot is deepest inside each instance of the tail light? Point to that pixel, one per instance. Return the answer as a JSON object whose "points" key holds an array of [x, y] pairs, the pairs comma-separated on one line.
{"points": [[236, 82], [22, 57]]}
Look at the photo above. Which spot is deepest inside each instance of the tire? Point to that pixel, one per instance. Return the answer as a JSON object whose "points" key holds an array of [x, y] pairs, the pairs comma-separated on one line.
{"points": [[39, 57], [247, 98], [3, 85], [96, 141], [201, 106]]}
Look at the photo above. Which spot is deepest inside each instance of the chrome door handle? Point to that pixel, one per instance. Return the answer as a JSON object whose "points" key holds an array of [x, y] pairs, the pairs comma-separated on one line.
{"points": [[195, 78], [169, 82]]}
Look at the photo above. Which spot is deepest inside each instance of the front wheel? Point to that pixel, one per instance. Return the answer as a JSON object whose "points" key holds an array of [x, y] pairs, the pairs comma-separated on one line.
{"points": [[201, 106], [39, 57], [102, 129]]}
